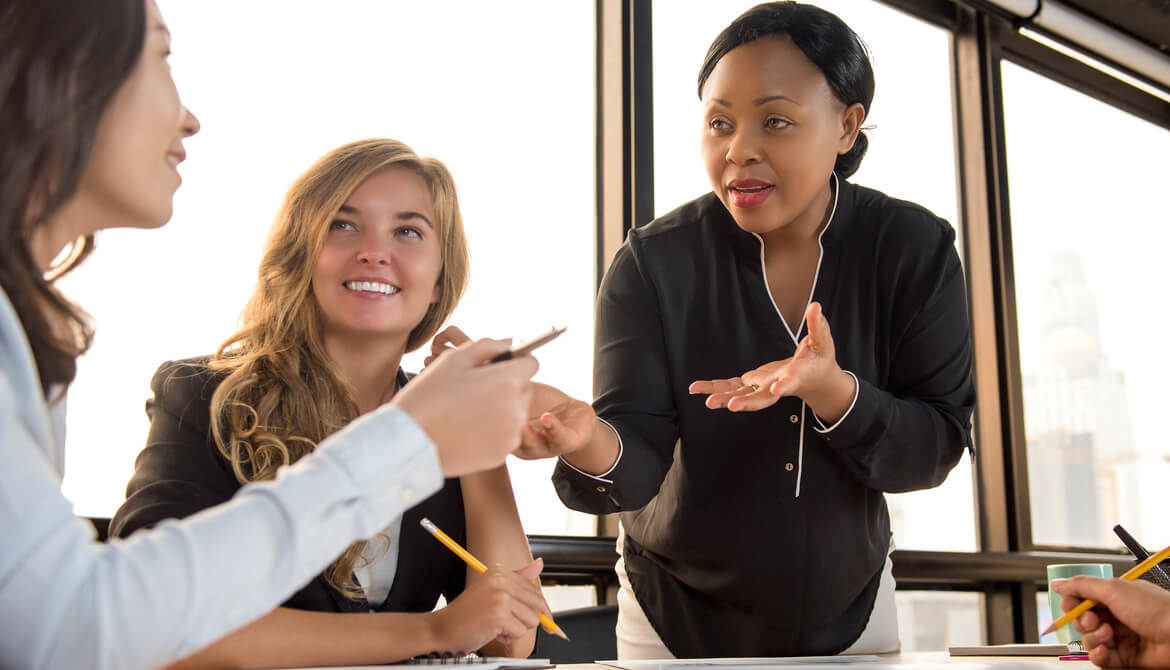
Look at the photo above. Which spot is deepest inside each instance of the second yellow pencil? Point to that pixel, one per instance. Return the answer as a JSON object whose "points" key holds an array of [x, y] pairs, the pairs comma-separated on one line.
{"points": [[548, 624]]}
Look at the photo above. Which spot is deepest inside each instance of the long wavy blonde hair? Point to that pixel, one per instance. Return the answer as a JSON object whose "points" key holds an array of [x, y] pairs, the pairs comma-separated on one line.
{"points": [[282, 394]]}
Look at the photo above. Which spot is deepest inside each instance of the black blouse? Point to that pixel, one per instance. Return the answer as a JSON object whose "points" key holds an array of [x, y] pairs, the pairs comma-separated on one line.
{"points": [[764, 533], [181, 472]]}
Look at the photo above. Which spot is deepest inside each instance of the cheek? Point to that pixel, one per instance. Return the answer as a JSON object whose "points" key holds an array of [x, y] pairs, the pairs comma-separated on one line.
{"points": [[327, 268], [712, 153]]}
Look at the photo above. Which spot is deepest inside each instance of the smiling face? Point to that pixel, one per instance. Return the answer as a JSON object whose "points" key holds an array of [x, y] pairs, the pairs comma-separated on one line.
{"points": [[377, 270], [772, 131]]}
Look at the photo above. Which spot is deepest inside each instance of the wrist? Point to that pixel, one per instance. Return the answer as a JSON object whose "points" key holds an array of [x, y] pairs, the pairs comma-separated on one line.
{"points": [[428, 631], [596, 455], [832, 398]]}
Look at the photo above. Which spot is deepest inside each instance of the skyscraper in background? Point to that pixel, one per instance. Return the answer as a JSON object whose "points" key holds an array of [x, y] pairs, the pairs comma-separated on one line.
{"points": [[1082, 460]]}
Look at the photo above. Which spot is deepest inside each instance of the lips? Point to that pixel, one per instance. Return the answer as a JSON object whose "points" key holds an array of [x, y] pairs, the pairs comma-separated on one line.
{"points": [[748, 193], [375, 287]]}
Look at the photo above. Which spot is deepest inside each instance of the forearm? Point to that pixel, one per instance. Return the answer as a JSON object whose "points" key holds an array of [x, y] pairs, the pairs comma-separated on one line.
{"points": [[600, 454], [496, 536], [494, 532], [297, 638], [900, 444]]}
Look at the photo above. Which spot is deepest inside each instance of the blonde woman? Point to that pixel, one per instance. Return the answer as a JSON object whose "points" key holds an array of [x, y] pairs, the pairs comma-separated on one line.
{"points": [[366, 260]]}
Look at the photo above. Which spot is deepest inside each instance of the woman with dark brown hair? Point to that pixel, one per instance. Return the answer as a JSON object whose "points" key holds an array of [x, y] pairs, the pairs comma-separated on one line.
{"points": [[91, 133]]}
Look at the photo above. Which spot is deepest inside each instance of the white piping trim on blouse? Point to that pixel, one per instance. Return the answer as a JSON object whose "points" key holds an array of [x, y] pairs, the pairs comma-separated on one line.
{"points": [[602, 477], [812, 291], [856, 392]]}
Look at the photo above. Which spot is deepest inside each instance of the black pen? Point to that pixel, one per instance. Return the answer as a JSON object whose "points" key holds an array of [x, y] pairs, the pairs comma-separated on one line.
{"points": [[528, 347], [1159, 575]]}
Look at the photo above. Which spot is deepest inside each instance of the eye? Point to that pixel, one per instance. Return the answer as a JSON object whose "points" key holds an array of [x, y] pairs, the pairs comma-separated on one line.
{"points": [[411, 232], [341, 224], [719, 124], [777, 123]]}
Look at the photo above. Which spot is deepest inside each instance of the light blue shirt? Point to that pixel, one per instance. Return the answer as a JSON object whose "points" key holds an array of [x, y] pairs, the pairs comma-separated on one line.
{"points": [[162, 594]]}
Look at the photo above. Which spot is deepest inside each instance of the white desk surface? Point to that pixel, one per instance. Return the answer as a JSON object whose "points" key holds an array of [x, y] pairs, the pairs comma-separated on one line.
{"points": [[922, 661], [916, 661]]}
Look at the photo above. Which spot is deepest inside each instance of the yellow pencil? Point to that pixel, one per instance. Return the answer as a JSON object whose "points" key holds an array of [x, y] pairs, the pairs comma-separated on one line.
{"points": [[1130, 575], [548, 624]]}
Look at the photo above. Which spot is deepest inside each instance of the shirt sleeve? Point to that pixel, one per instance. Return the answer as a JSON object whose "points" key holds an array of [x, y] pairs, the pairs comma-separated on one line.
{"points": [[631, 382], [908, 434], [162, 594]]}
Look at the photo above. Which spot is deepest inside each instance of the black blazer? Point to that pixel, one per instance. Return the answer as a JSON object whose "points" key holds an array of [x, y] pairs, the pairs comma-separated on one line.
{"points": [[181, 472]]}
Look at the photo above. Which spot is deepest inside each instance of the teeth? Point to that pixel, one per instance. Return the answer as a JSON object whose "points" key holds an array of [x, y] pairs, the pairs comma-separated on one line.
{"points": [[172, 160], [754, 189], [372, 287]]}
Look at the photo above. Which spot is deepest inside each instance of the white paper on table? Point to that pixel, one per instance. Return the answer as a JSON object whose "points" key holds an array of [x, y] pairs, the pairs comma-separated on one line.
{"points": [[749, 663]]}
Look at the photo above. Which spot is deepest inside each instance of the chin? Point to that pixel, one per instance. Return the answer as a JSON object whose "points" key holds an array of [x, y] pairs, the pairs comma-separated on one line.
{"points": [[754, 222]]}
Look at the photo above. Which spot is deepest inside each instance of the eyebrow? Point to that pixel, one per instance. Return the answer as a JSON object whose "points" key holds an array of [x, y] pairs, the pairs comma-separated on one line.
{"points": [[400, 216], [758, 101]]}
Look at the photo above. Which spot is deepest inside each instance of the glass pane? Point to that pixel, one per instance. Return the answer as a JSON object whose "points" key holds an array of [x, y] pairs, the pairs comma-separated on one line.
{"points": [[911, 156], [935, 620], [1088, 241], [1044, 618], [280, 84]]}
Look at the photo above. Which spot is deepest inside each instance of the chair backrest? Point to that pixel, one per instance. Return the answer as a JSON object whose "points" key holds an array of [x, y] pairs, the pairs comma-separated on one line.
{"points": [[592, 633]]}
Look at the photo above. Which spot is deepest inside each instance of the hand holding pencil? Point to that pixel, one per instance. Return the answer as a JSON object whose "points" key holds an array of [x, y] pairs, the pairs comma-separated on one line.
{"points": [[546, 622], [1129, 628]]}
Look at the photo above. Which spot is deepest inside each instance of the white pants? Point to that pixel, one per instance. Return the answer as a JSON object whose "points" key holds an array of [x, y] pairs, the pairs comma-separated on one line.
{"points": [[636, 638]]}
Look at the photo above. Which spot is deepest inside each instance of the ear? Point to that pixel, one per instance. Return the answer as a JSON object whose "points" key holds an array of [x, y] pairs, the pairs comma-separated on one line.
{"points": [[851, 119], [436, 294]]}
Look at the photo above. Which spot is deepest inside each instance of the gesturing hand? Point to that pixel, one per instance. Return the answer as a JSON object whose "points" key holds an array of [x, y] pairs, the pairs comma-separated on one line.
{"points": [[557, 424], [474, 413], [812, 374]]}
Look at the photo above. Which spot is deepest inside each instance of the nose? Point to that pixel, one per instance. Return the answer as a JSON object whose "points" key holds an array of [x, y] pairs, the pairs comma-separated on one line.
{"points": [[190, 123], [373, 255], [743, 148]]}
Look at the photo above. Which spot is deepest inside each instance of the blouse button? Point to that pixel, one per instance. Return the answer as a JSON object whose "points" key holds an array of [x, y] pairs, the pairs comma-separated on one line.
{"points": [[601, 489], [794, 418], [788, 467]]}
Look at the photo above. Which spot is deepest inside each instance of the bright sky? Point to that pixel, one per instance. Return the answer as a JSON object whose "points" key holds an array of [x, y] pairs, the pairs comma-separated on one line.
{"points": [[503, 92]]}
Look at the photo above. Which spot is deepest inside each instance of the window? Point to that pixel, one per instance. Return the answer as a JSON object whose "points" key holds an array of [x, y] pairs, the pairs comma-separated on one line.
{"points": [[936, 620], [278, 84], [911, 156], [1088, 238]]}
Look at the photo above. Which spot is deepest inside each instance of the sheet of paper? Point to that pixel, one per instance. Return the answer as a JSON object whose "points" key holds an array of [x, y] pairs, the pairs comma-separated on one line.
{"points": [[479, 663], [750, 663]]}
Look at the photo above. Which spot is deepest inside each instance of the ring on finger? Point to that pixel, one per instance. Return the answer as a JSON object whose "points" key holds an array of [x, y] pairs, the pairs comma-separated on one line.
{"points": [[755, 387]]}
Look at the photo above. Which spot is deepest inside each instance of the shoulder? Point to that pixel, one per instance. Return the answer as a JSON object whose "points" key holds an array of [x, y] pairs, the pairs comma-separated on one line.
{"points": [[184, 388], [686, 221], [890, 220], [16, 358], [674, 237]]}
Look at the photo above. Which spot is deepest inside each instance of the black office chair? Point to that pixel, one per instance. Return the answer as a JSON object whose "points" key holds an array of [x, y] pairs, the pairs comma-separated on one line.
{"points": [[592, 633]]}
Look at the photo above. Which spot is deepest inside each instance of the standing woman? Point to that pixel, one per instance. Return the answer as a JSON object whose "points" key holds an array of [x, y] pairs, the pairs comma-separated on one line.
{"points": [[366, 260], [91, 130], [765, 531]]}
